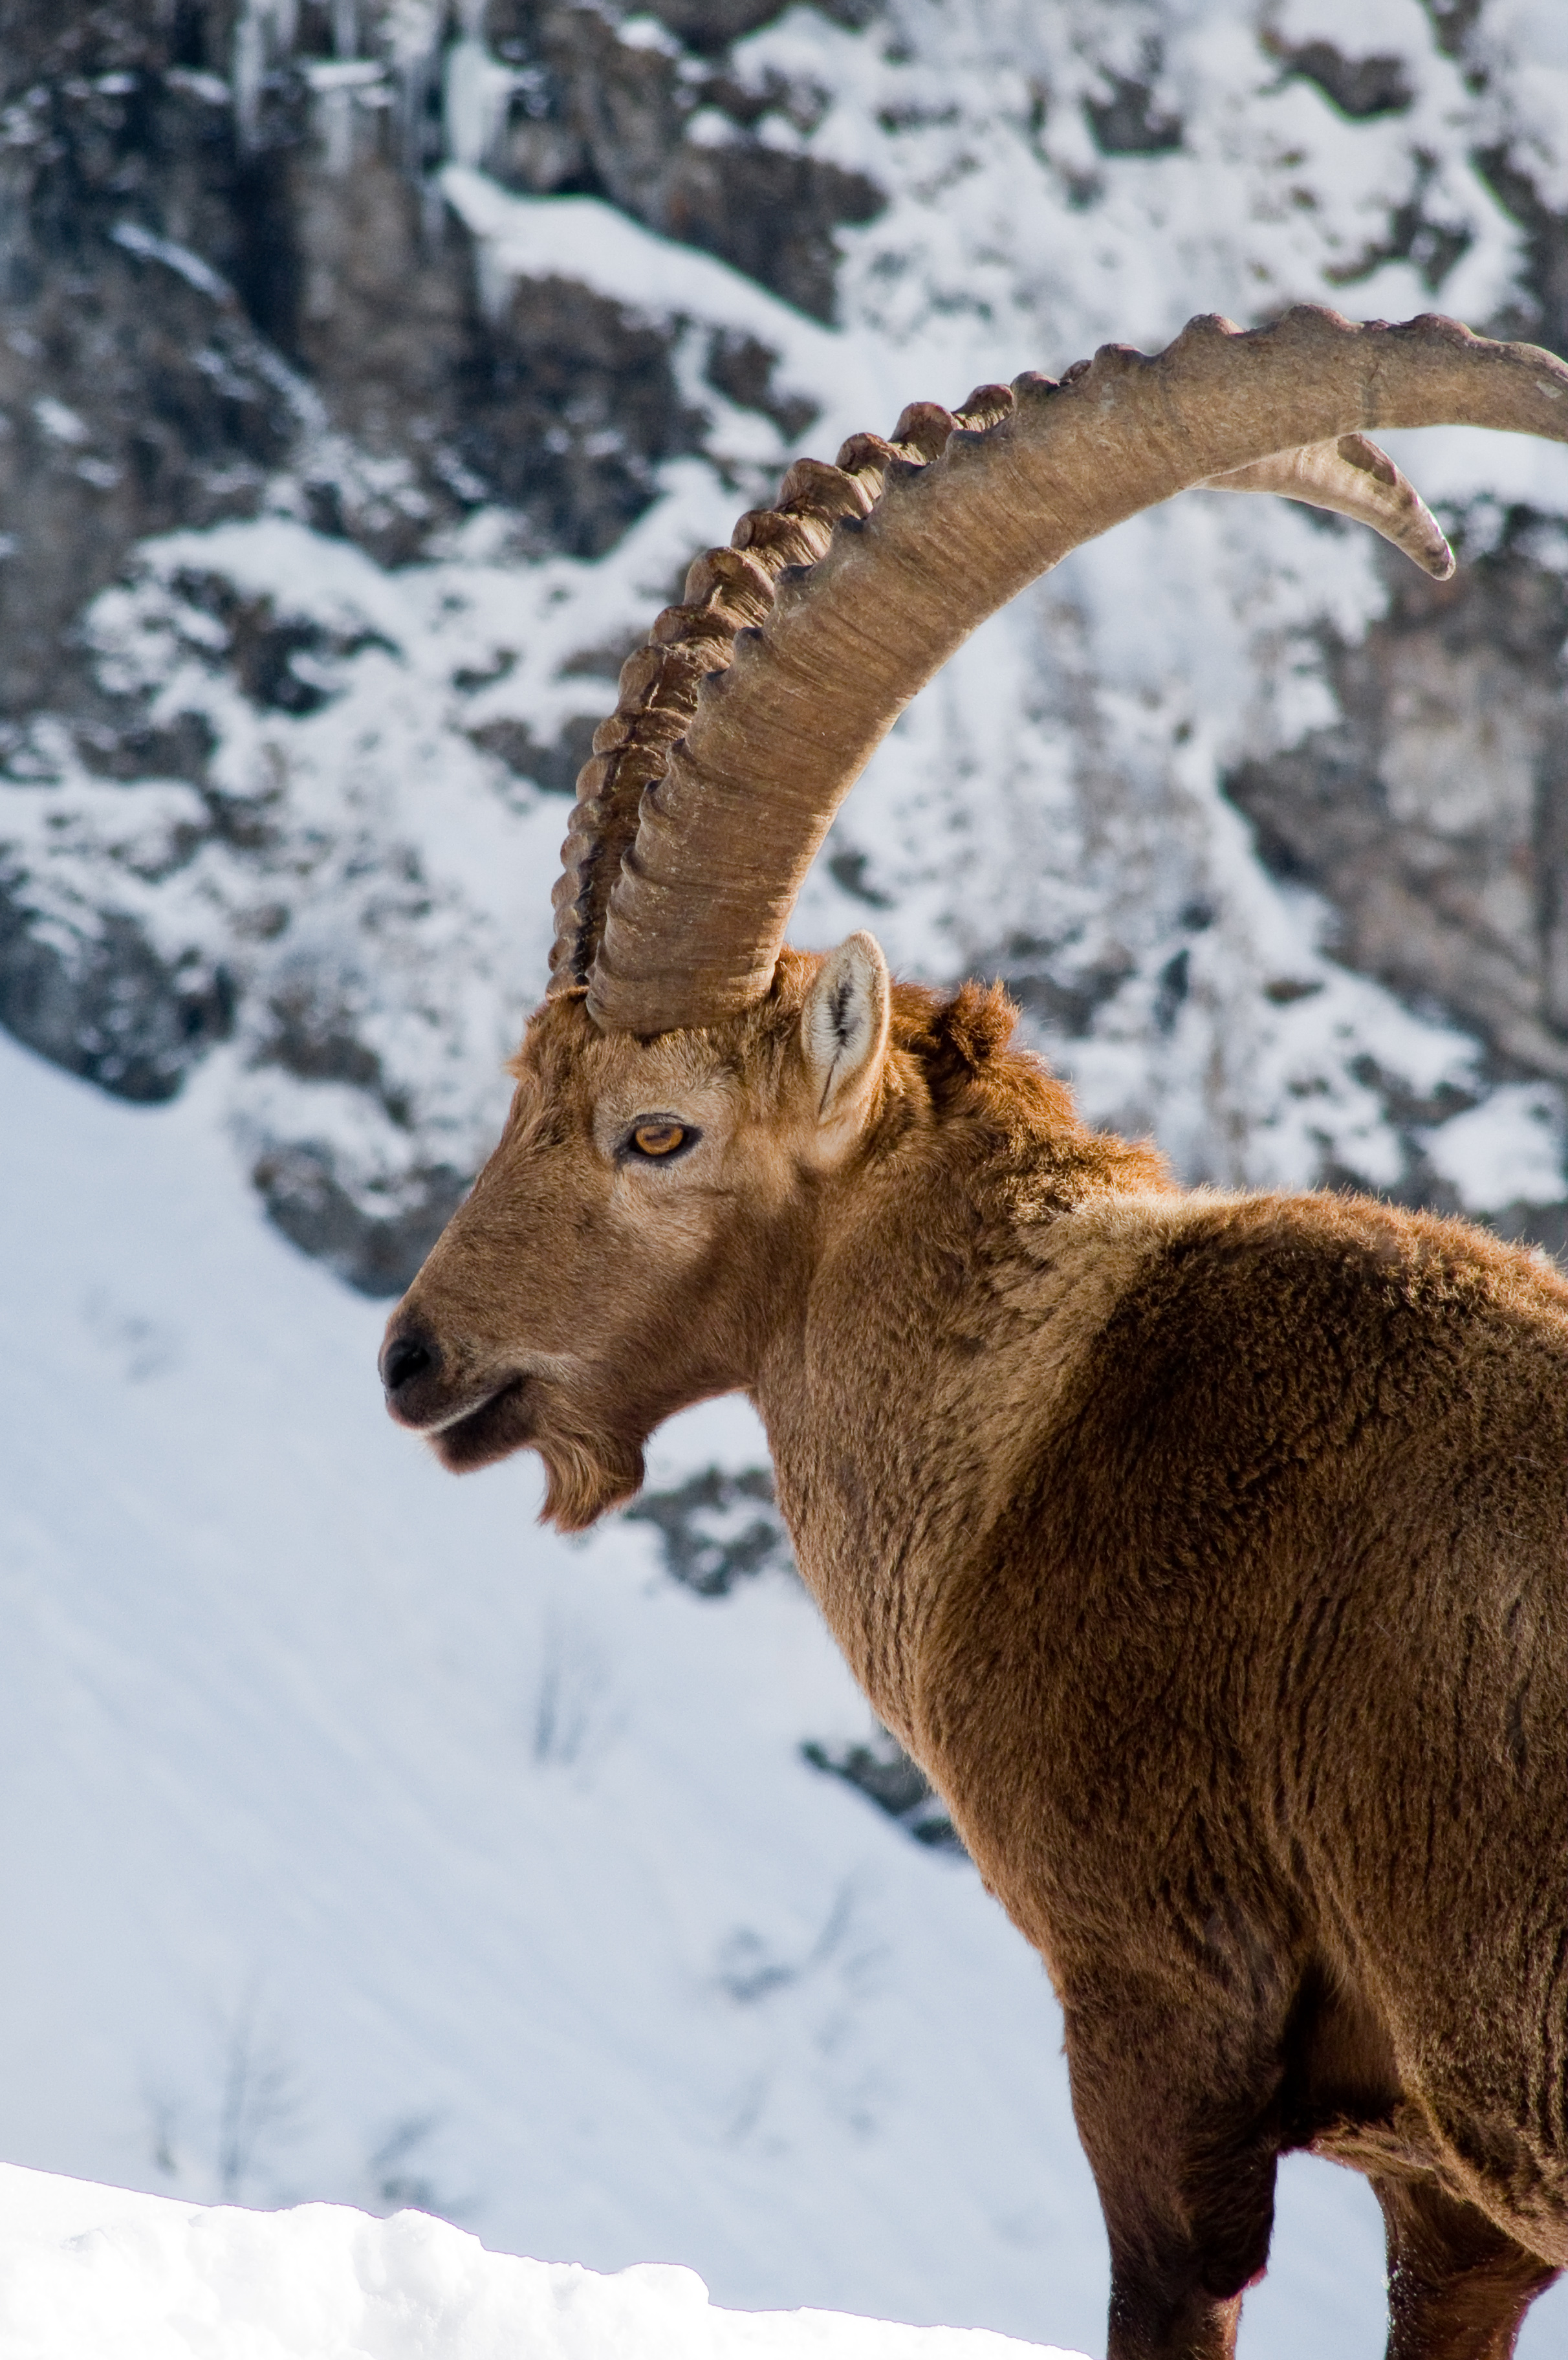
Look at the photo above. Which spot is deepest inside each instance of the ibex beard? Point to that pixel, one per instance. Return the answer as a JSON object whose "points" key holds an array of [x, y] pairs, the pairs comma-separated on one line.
{"points": [[1209, 1552]]}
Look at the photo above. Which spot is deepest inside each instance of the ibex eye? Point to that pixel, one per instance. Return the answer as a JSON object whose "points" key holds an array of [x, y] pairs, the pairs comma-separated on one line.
{"points": [[660, 1138]]}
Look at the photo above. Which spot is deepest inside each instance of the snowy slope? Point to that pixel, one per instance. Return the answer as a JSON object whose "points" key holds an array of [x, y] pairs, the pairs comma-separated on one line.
{"points": [[362, 1841], [138, 2278], [325, 1768]]}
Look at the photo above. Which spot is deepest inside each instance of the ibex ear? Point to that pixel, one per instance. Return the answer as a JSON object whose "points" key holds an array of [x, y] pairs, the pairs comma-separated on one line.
{"points": [[844, 1029]]}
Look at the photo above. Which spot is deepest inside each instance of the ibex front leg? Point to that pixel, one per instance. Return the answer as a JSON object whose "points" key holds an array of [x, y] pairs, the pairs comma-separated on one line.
{"points": [[1184, 2163], [1177, 2283]]}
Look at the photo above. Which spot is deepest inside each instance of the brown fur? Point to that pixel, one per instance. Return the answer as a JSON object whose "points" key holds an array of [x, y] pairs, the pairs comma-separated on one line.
{"points": [[1210, 1552]]}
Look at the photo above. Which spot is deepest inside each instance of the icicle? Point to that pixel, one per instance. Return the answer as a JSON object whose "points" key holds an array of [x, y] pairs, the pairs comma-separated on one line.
{"points": [[492, 278], [409, 36], [337, 107], [250, 64], [474, 101], [410, 32], [338, 85], [265, 31]]}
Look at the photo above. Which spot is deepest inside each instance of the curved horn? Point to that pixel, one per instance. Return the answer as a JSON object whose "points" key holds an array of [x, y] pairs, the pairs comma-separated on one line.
{"points": [[751, 715], [1354, 479]]}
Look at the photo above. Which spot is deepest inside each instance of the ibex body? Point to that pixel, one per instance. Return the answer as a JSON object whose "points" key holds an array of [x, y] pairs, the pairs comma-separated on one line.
{"points": [[1210, 1552]]}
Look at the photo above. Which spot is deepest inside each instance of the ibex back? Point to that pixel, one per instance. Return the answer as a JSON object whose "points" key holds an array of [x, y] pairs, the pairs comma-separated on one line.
{"points": [[1210, 1552]]}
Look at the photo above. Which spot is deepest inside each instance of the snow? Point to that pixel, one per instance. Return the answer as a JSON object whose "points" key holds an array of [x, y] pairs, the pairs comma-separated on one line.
{"points": [[475, 98], [190, 266], [589, 242], [1505, 1151], [140, 2277], [61, 424]]}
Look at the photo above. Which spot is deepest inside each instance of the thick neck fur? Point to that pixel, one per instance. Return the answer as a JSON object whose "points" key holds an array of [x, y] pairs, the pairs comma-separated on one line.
{"points": [[918, 1372]]}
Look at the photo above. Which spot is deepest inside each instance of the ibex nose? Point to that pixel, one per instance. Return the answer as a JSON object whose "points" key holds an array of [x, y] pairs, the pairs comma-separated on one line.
{"points": [[408, 1353]]}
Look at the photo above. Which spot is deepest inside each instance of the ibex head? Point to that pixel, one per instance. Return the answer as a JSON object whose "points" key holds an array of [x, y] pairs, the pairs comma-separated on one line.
{"points": [[696, 1106], [648, 1199]]}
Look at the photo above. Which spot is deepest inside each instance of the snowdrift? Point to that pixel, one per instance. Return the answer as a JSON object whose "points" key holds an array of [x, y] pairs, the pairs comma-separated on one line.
{"points": [[86, 2270]]}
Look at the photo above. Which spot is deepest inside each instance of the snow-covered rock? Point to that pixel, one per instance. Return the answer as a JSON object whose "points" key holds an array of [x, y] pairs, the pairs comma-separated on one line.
{"points": [[288, 790]]}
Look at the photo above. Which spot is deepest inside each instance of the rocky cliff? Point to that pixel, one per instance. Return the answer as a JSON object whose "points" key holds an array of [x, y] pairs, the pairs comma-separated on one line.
{"points": [[370, 369]]}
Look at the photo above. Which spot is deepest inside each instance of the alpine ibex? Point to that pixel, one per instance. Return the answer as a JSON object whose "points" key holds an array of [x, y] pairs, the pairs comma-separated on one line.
{"points": [[1209, 1551]]}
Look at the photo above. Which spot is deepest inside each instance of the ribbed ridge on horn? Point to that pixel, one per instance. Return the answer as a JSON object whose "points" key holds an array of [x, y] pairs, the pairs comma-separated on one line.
{"points": [[879, 568], [727, 591]]}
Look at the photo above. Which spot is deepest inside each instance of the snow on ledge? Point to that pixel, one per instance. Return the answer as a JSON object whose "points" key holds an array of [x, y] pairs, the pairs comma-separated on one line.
{"points": [[592, 243], [1506, 1150], [584, 239], [124, 2277]]}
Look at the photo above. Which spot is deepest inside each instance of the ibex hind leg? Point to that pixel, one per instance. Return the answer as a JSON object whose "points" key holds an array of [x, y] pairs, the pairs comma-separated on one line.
{"points": [[1458, 2288]]}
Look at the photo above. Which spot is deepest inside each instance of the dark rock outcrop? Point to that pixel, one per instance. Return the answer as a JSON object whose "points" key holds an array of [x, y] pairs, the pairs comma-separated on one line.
{"points": [[717, 1528], [106, 1006], [1360, 87], [595, 114], [886, 1776], [199, 287], [1131, 120], [376, 1249]]}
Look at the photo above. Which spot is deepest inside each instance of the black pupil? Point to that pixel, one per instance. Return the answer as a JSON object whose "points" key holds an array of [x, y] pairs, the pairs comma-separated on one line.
{"points": [[659, 1138]]}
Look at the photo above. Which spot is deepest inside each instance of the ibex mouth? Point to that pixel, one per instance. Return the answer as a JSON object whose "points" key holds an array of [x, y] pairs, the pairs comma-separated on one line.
{"points": [[491, 1429]]}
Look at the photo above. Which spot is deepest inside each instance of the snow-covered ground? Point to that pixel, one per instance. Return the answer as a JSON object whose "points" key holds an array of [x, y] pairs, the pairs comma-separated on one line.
{"points": [[362, 1841], [93, 2270]]}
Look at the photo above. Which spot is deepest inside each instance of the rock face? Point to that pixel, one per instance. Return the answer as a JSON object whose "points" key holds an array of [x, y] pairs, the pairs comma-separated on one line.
{"points": [[1433, 813], [634, 121], [372, 368], [196, 209], [226, 263]]}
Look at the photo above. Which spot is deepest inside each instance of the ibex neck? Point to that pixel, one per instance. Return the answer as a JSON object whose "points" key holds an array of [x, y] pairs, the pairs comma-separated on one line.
{"points": [[937, 1339]]}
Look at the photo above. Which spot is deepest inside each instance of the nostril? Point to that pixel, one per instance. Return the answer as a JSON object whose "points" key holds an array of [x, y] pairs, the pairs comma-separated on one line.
{"points": [[404, 1359]]}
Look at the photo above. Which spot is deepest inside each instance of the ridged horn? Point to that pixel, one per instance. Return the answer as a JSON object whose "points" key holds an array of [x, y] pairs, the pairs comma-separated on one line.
{"points": [[744, 725]]}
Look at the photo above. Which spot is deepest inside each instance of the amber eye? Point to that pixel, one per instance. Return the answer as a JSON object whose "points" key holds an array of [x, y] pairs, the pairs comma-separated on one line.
{"points": [[659, 1138]]}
